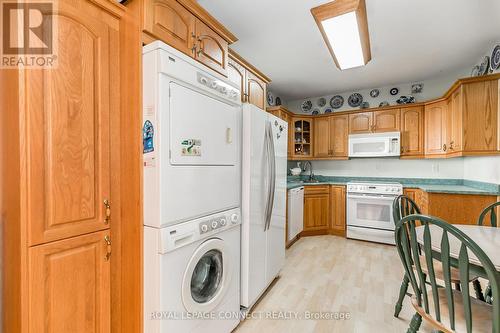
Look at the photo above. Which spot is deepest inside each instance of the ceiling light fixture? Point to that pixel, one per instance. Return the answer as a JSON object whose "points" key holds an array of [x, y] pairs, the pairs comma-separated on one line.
{"points": [[344, 26]]}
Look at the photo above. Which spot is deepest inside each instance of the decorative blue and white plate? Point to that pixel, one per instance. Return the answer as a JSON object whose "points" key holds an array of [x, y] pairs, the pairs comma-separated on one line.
{"points": [[484, 66], [394, 91], [315, 112], [321, 102], [270, 98], [475, 71], [306, 106], [383, 104], [495, 58], [374, 93], [355, 100], [337, 101], [364, 105], [328, 110]]}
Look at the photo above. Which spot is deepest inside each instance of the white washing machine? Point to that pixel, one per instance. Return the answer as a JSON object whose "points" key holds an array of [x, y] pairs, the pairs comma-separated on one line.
{"points": [[192, 275]]}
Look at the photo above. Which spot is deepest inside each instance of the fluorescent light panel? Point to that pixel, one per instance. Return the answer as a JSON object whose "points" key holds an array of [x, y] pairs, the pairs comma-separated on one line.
{"points": [[343, 35]]}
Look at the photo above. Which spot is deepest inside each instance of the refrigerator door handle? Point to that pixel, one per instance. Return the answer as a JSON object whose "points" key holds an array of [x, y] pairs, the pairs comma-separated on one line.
{"points": [[268, 160], [273, 175]]}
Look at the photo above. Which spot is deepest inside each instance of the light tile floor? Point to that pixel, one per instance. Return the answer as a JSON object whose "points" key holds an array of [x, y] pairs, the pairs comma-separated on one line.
{"points": [[329, 274]]}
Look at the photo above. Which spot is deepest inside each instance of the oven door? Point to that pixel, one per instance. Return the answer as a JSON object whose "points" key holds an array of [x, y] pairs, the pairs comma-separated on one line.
{"points": [[370, 211]]}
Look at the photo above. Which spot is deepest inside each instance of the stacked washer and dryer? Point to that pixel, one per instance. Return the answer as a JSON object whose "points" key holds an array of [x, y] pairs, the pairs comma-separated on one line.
{"points": [[192, 195], [214, 196]]}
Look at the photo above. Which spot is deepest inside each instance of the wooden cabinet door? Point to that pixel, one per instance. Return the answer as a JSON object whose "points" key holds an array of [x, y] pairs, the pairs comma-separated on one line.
{"points": [[69, 285], [339, 133], [360, 122], [435, 128], [322, 137], [410, 193], [212, 49], [338, 210], [236, 73], [454, 122], [69, 133], [412, 131], [316, 209], [480, 117], [172, 23], [386, 120], [256, 91]]}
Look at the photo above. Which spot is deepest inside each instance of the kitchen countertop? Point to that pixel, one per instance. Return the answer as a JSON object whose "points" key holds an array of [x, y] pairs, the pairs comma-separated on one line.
{"points": [[430, 185]]}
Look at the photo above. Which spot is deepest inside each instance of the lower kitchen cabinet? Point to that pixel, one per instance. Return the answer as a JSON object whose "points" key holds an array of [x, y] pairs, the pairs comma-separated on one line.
{"points": [[69, 282], [453, 208], [338, 210], [410, 193], [316, 209]]}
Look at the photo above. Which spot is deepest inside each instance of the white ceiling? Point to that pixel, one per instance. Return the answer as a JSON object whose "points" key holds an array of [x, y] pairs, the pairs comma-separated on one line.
{"points": [[411, 40]]}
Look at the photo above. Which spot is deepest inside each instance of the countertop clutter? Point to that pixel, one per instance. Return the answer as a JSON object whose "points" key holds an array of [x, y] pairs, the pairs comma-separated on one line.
{"points": [[430, 185]]}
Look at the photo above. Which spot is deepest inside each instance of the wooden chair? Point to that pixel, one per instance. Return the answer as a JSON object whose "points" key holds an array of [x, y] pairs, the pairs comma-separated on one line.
{"points": [[402, 207], [446, 309], [491, 210]]}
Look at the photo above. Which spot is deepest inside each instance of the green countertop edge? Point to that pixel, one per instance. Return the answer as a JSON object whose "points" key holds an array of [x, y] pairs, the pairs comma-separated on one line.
{"points": [[431, 185]]}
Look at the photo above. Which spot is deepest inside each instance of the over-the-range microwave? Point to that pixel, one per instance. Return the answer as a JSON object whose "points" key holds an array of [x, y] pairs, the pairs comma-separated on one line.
{"points": [[375, 144]]}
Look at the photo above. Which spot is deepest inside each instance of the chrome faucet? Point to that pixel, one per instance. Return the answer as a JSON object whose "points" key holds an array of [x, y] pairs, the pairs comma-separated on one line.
{"points": [[311, 174]]}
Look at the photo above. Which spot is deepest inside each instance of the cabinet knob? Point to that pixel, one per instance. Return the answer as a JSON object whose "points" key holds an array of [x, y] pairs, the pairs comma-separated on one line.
{"points": [[444, 147], [451, 145]]}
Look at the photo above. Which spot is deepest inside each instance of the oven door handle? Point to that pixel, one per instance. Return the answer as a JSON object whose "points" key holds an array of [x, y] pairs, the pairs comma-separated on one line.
{"points": [[391, 198]]}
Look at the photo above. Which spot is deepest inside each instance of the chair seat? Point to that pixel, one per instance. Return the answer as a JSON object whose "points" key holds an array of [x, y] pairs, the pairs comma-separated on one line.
{"points": [[438, 271], [482, 313]]}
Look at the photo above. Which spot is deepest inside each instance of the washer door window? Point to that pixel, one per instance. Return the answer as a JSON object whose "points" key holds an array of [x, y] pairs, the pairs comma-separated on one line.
{"points": [[206, 277]]}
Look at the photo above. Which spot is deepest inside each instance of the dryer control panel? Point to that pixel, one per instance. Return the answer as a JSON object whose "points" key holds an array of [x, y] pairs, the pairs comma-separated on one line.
{"points": [[178, 235]]}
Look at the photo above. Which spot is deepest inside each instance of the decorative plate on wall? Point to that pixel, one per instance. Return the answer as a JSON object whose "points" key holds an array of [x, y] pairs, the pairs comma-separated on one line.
{"points": [[495, 58], [355, 100], [365, 105], [321, 102], [484, 66], [306, 106], [475, 71], [394, 91], [417, 88], [406, 100], [277, 101], [383, 104], [270, 98], [374, 93], [315, 112], [337, 101], [328, 110]]}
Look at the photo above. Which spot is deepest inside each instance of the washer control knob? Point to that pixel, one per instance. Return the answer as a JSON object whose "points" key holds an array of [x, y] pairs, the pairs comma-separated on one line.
{"points": [[214, 224], [214, 85], [204, 228], [203, 80], [223, 221], [234, 218]]}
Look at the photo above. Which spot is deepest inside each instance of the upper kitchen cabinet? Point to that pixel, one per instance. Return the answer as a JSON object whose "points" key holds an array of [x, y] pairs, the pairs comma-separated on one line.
{"points": [[302, 128], [252, 82], [361, 122], [412, 131], [330, 137], [480, 117], [466, 122], [435, 128], [186, 26], [211, 49], [171, 22], [284, 114], [386, 120]]}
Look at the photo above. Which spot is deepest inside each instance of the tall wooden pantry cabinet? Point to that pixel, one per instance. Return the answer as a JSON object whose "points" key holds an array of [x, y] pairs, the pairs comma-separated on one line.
{"points": [[70, 134]]}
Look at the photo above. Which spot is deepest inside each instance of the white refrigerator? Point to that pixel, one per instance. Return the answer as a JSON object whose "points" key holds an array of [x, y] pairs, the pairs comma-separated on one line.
{"points": [[264, 167]]}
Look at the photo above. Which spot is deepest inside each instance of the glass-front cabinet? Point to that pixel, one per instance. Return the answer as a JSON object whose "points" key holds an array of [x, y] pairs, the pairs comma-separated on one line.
{"points": [[302, 139]]}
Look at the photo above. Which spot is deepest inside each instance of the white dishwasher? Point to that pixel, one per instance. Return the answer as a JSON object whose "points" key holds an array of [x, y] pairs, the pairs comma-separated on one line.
{"points": [[295, 211]]}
